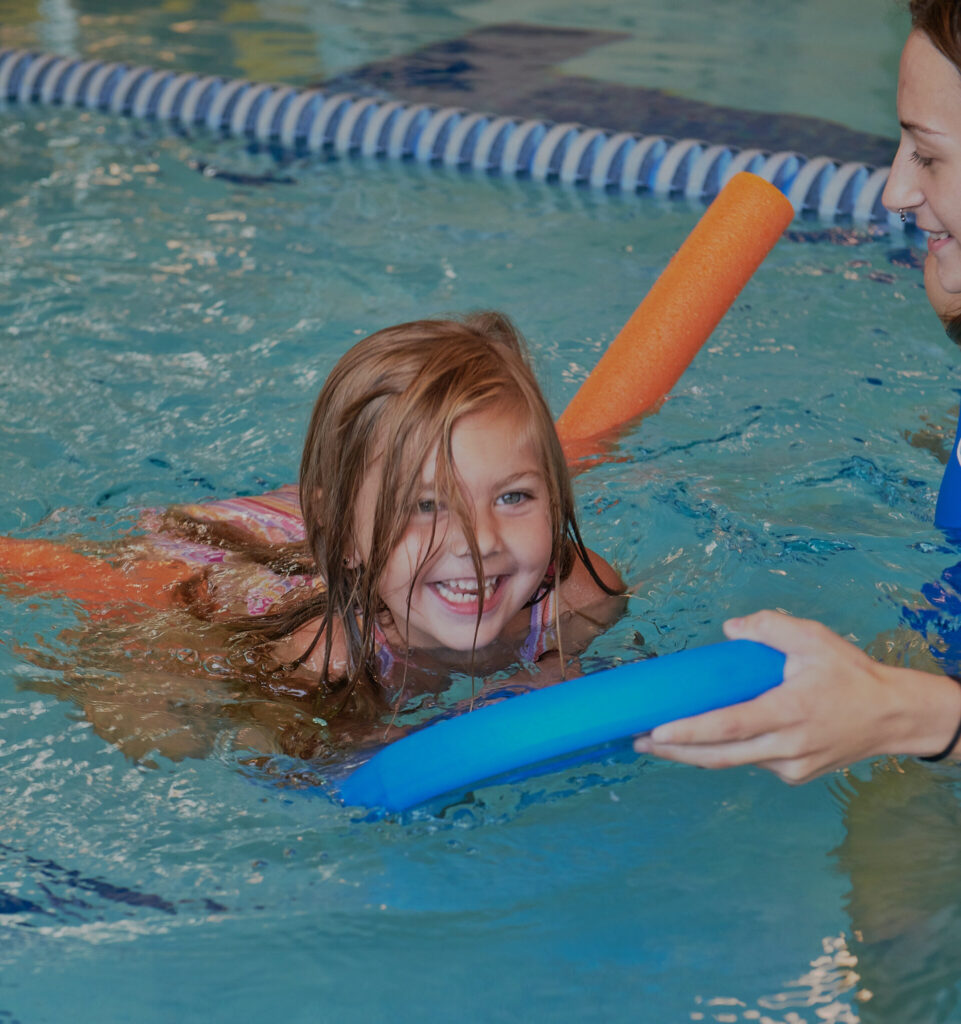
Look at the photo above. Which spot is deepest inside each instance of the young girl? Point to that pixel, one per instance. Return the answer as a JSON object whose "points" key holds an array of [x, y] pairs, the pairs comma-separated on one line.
{"points": [[440, 533]]}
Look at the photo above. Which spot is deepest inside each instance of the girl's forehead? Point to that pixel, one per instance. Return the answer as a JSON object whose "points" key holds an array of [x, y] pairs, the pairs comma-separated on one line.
{"points": [[494, 438]]}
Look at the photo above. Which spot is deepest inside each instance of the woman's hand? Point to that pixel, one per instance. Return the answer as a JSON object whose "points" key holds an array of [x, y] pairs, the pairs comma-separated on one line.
{"points": [[835, 706]]}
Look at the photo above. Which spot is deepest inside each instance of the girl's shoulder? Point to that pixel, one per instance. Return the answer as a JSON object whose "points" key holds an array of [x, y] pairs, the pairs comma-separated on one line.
{"points": [[581, 591], [310, 636]]}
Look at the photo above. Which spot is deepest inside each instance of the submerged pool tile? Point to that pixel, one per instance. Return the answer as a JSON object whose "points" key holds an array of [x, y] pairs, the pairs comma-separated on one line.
{"points": [[511, 70]]}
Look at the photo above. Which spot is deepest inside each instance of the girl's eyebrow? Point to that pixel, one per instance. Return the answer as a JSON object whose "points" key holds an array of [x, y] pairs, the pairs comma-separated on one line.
{"points": [[522, 474]]}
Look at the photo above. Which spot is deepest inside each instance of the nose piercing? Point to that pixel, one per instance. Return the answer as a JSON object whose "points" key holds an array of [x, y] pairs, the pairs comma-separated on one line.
{"points": [[901, 215]]}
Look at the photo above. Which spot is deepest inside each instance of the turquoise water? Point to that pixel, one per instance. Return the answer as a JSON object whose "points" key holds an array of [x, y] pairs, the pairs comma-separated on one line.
{"points": [[164, 334]]}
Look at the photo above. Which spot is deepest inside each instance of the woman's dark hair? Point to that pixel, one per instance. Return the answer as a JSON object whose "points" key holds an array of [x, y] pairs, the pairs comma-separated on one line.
{"points": [[940, 21]]}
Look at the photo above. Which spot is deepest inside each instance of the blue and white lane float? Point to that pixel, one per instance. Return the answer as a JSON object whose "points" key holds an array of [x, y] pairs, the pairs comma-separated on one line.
{"points": [[311, 120], [521, 732]]}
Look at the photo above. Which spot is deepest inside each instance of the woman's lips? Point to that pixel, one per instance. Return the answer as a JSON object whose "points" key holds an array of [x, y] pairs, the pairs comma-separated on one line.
{"points": [[938, 240]]}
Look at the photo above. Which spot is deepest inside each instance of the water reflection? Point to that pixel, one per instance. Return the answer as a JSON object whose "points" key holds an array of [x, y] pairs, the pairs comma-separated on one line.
{"points": [[901, 854]]}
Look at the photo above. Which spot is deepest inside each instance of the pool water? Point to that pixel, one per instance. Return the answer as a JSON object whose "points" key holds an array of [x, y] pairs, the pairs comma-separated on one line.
{"points": [[165, 331]]}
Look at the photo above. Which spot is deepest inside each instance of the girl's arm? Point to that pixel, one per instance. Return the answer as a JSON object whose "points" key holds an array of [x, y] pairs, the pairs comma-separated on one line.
{"points": [[835, 706]]}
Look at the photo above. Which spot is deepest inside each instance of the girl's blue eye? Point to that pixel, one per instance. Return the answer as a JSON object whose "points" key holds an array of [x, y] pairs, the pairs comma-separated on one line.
{"points": [[924, 161], [513, 498], [430, 507]]}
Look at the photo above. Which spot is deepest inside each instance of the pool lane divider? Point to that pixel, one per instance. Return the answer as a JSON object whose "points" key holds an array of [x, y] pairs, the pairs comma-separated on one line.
{"points": [[314, 120]]}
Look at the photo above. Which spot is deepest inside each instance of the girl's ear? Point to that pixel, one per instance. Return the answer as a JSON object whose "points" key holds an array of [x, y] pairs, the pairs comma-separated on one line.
{"points": [[352, 557]]}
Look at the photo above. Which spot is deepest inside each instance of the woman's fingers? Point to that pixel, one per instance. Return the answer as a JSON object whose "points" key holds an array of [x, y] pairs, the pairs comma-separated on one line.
{"points": [[735, 724], [796, 730], [783, 632], [731, 755]]}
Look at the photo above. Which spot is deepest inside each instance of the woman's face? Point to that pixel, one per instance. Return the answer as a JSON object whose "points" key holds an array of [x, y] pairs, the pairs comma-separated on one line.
{"points": [[926, 173]]}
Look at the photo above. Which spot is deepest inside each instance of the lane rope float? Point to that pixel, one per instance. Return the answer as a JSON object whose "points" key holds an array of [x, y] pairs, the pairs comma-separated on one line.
{"points": [[310, 120]]}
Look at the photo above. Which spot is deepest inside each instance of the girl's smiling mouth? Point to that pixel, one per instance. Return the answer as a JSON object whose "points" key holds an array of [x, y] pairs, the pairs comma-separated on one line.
{"points": [[461, 595]]}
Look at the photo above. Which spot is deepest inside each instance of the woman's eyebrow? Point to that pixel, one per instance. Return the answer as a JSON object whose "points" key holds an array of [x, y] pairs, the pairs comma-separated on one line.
{"points": [[910, 126]]}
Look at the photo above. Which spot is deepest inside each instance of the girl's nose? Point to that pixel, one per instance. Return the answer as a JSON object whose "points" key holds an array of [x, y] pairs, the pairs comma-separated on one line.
{"points": [[903, 189], [486, 534]]}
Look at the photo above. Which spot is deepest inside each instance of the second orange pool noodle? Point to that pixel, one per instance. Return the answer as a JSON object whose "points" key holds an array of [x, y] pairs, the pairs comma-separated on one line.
{"points": [[683, 307], [48, 567]]}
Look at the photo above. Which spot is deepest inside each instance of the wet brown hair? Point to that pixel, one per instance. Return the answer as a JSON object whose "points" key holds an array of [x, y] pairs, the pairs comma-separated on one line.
{"points": [[389, 403]]}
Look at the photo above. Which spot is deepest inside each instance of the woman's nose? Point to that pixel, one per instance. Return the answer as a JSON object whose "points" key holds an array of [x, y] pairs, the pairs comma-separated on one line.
{"points": [[903, 190]]}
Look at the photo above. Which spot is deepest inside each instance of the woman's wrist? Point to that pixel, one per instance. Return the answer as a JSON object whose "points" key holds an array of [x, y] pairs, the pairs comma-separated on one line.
{"points": [[924, 713]]}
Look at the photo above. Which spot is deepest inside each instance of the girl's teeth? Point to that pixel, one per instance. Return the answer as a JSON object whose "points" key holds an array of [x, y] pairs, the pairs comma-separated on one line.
{"points": [[938, 235], [462, 593]]}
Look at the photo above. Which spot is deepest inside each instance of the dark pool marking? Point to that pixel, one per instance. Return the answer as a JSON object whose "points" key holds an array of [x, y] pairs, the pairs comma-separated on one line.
{"points": [[891, 487], [259, 485], [785, 544], [511, 69], [208, 170], [189, 476], [908, 258], [843, 236], [70, 879]]}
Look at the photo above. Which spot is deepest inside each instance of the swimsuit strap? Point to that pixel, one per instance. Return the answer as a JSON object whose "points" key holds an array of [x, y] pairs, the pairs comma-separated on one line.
{"points": [[541, 637], [384, 654]]}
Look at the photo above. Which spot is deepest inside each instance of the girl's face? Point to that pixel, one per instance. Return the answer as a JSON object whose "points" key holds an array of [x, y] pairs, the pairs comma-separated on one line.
{"points": [[926, 173], [506, 497]]}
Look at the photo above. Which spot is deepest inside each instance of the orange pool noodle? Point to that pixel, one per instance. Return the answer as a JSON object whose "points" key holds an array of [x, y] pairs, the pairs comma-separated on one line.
{"points": [[683, 307], [51, 568]]}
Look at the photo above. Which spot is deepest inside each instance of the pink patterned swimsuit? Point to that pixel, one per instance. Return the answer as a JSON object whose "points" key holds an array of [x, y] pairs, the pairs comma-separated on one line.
{"points": [[272, 518]]}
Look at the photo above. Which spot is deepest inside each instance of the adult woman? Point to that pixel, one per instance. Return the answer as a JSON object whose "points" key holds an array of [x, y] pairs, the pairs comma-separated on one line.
{"points": [[836, 704]]}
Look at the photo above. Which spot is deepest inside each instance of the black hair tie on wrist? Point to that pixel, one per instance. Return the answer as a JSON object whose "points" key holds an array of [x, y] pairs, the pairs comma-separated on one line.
{"points": [[954, 739]]}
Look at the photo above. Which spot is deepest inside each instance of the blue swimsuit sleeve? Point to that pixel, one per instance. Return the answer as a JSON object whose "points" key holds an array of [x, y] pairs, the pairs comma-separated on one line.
{"points": [[947, 513]]}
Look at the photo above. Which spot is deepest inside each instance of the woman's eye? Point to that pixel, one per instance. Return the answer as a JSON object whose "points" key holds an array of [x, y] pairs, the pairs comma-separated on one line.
{"points": [[924, 161]]}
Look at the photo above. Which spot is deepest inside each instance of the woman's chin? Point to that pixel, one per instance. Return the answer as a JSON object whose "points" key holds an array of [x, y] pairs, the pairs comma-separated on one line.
{"points": [[942, 283]]}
